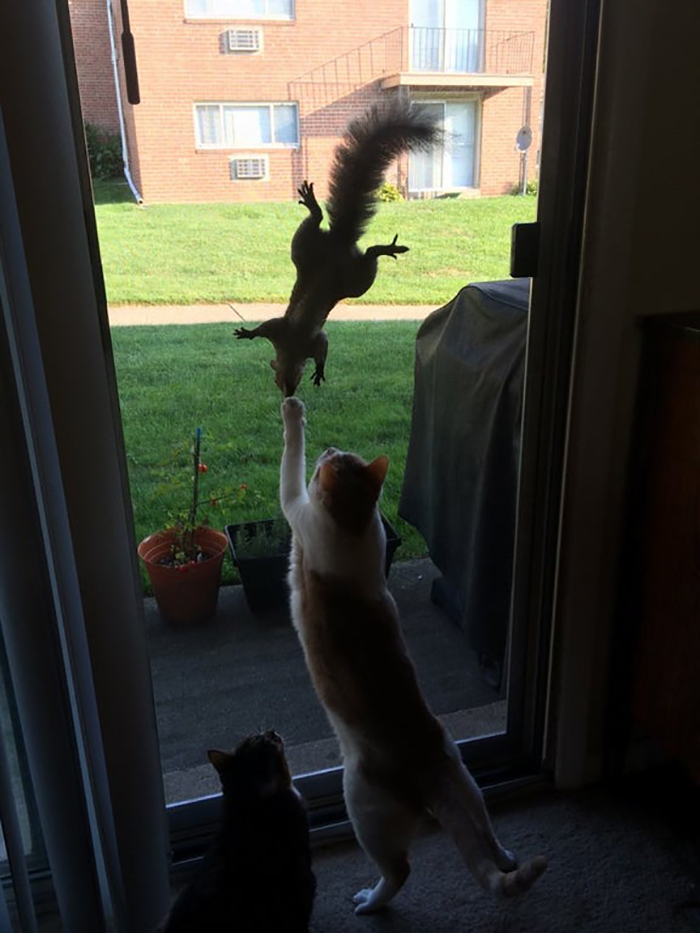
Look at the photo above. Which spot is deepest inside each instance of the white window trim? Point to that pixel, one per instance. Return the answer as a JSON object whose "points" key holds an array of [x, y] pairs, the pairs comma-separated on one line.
{"points": [[268, 17], [247, 145]]}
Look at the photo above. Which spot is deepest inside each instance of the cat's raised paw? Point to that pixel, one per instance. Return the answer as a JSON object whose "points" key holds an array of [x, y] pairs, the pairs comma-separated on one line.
{"points": [[293, 409]]}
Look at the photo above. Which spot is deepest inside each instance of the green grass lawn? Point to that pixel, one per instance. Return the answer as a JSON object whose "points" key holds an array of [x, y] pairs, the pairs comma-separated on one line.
{"points": [[173, 379], [214, 253]]}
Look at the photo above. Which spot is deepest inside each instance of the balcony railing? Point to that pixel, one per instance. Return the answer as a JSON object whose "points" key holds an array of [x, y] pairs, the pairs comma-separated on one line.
{"points": [[418, 49], [470, 51]]}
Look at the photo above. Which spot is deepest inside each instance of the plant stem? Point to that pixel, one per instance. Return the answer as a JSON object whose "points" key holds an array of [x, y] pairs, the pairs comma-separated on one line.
{"points": [[195, 485]]}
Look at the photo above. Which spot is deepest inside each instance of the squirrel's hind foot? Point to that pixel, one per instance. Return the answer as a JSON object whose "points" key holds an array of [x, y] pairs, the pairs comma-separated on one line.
{"points": [[389, 249]]}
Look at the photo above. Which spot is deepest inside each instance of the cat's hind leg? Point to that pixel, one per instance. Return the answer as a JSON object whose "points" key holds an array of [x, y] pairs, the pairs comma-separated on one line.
{"points": [[384, 828], [458, 805]]}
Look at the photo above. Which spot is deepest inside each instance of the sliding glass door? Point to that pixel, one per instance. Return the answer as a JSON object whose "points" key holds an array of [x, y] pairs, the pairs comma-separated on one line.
{"points": [[452, 163], [120, 698], [447, 35]]}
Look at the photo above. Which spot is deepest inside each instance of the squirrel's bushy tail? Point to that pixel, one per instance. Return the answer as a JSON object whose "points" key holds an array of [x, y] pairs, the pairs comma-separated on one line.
{"points": [[370, 145]]}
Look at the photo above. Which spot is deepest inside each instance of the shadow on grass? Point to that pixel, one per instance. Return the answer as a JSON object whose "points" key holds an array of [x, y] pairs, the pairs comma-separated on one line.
{"points": [[111, 191]]}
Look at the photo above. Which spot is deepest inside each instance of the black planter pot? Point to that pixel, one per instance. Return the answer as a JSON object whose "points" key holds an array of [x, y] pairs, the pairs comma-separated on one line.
{"points": [[260, 551]]}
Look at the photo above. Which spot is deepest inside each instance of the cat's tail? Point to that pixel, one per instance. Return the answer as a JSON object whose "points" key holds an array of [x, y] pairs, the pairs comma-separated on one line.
{"points": [[457, 803]]}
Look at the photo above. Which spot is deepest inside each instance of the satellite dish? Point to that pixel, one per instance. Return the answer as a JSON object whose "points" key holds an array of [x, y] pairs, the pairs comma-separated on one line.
{"points": [[523, 140]]}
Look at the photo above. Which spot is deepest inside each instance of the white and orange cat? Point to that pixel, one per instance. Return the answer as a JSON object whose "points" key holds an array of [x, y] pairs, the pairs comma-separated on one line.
{"points": [[399, 762]]}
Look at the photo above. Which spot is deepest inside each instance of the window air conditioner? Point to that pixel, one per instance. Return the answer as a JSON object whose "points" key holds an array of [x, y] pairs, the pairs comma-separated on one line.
{"points": [[250, 167], [243, 40]]}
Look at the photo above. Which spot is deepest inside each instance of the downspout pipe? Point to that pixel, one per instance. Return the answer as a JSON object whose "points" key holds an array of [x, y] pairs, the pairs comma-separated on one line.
{"points": [[120, 109]]}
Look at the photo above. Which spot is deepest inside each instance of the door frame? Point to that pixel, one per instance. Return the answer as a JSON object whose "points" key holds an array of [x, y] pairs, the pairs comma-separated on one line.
{"points": [[523, 754], [80, 307]]}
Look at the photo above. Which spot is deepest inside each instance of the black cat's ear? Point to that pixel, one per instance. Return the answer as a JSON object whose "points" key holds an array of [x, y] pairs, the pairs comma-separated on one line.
{"points": [[218, 759]]}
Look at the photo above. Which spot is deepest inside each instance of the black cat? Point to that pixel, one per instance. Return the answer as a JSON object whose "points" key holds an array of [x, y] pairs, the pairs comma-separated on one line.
{"points": [[257, 876]]}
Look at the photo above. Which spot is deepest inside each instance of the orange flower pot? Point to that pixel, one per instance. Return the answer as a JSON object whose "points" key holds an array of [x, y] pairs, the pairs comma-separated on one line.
{"points": [[185, 595]]}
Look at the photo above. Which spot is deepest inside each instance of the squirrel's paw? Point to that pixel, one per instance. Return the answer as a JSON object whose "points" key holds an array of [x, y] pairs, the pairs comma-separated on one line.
{"points": [[317, 377], [308, 199], [306, 192], [293, 410], [394, 248], [242, 333]]}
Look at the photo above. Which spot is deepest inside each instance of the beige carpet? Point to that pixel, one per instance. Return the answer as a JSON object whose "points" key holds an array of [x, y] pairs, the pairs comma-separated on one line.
{"points": [[619, 863]]}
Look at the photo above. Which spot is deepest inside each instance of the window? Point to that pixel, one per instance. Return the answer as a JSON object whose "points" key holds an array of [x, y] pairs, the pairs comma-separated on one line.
{"points": [[232, 126], [239, 9]]}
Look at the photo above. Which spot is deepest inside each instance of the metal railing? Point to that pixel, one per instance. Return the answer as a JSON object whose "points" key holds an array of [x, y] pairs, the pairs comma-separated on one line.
{"points": [[426, 49], [470, 51]]}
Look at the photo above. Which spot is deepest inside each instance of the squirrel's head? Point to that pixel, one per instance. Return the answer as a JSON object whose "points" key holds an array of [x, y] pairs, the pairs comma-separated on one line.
{"points": [[288, 375]]}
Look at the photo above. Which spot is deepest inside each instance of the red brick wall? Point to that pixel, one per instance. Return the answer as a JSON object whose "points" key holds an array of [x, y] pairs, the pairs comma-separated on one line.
{"points": [[181, 62], [503, 113], [94, 63], [329, 60]]}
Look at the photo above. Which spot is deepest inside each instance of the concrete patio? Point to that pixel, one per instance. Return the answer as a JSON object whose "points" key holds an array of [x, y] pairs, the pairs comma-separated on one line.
{"points": [[241, 672]]}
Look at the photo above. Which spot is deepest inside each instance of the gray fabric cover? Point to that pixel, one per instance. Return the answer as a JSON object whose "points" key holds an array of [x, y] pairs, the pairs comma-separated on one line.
{"points": [[461, 478]]}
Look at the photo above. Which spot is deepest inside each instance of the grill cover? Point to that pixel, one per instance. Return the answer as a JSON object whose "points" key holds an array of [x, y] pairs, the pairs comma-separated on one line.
{"points": [[461, 479]]}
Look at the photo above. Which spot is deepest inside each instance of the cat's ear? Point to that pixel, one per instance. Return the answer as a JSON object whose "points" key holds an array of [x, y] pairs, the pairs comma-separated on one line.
{"points": [[218, 759], [377, 469]]}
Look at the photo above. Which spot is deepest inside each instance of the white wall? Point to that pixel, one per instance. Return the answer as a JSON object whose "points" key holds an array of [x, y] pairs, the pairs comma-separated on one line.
{"points": [[641, 245]]}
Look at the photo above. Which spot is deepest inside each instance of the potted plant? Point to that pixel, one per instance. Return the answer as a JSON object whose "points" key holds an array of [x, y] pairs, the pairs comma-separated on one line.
{"points": [[183, 561], [260, 551]]}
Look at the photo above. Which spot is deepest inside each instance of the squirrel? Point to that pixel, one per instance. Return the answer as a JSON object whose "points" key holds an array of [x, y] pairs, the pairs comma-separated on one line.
{"points": [[329, 264]]}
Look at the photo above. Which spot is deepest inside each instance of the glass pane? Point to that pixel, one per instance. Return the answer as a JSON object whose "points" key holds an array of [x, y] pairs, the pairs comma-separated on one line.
{"points": [[11, 737], [460, 122], [247, 126], [244, 7], [243, 669], [463, 37], [426, 36], [196, 7], [286, 124], [425, 167], [209, 130], [427, 13], [280, 8]]}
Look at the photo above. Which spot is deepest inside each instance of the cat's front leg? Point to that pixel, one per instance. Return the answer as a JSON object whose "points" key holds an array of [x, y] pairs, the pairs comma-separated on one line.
{"points": [[293, 411], [293, 466]]}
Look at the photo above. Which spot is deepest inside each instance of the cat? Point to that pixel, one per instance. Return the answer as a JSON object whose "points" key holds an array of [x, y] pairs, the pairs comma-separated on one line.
{"points": [[399, 762], [257, 875]]}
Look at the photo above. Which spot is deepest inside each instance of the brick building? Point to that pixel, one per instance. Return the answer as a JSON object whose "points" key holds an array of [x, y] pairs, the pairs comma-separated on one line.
{"points": [[93, 60], [240, 100]]}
